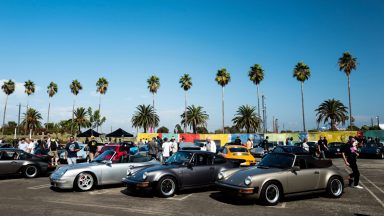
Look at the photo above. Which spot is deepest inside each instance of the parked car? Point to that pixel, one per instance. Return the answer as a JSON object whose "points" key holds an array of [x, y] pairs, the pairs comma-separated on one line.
{"points": [[372, 150], [282, 174], [189, 146], [104, 170], [334, 149], [119, 149], [183, 170], [291, 149], [257, 151], [17, 162], [239, 152], [6, 145], [82, 155]]}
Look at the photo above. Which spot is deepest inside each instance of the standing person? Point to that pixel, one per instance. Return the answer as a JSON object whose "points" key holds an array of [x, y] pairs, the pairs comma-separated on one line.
{"points": [[249, 144], [350, 155], [53, 146], [31, 146], [211, 145], [72, 148], [322, 147], [23, 145], [92, 146], [166, 147], [237, 141], [305, 144], [174, 147], [265, 144], [153, 148]]}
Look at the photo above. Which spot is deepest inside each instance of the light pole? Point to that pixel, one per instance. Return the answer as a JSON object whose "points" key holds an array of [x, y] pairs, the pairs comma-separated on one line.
{"points": [[378, 121]]}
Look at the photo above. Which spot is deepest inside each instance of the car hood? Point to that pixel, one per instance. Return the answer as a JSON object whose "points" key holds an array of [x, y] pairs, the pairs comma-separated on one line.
{"points": [[81, 165], [137, 176], [238, 177]]}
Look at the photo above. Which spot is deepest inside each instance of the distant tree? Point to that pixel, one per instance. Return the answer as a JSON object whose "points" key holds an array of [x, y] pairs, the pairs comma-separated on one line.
{"points": [[145, 117], [102, 87], [95, 118], [153, 86], [348, 63], [256, 75], [332, 111], [12, 124], [202, 130], [81, 118], [186, 83], [178, 129], [302, 73], [222, 78], [246, 118], [29, 88], [163, 129], [196, 117], [32, 119], [75, 87], [8, 88], [51, 90]]}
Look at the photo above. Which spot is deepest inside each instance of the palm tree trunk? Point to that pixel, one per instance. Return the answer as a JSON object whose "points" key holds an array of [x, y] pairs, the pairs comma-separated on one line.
{"points": [[154, 119], [302, 104], [5, 111], [222, 107], [350, 106], [185, 113], [49, 108], [73, 113], [258, 105], [97, 127]]}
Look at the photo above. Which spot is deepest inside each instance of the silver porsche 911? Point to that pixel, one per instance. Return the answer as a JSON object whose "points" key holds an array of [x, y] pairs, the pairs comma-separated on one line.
{"points": [[282, 174], [104, 170]]}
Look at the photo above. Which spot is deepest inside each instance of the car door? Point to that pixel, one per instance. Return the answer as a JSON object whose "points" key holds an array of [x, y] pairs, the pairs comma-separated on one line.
{"points": [[305, 179], [112, 173], [9, 162], [200, 173]]}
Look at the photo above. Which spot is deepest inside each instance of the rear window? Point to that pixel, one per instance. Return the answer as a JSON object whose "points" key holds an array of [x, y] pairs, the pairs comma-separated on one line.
{"points": [[238, 150]]}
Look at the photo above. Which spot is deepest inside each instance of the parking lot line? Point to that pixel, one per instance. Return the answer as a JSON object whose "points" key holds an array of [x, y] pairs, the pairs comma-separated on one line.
{"points": [[374, 196], [39, 187], [283, 205], [180, 199], [373, 184]]}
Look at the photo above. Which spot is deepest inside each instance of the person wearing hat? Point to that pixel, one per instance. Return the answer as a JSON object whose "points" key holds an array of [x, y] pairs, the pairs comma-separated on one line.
{"points": [[92, 145]]}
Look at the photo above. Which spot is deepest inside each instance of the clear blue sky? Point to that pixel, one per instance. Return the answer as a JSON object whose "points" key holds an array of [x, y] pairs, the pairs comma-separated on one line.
{"points": [[127, 41]]}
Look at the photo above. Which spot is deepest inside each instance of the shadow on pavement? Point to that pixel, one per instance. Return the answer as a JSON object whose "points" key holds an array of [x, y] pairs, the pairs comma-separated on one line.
{"points": [[232, 200]]}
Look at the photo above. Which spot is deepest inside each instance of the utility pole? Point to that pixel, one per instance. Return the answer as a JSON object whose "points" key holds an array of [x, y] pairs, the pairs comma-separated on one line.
{"points": [[277, 125], [264, 114], [18, 120], [378, 121], [273, 124], [371, 122]]}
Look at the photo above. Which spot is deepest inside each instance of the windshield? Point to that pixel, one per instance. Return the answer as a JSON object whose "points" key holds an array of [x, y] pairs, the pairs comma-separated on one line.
{"points": [[237, 149], [282, 161], [179, 157], [107, 155]]}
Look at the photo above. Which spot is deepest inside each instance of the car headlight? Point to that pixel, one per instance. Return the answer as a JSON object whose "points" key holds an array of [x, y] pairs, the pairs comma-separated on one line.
{"points": [[220, 176], [145, 175], [248, 180]]}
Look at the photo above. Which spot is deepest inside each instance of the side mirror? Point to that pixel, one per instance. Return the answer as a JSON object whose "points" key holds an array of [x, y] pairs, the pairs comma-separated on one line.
{"points": [[108, 162], [295, 168], [187, 164]]}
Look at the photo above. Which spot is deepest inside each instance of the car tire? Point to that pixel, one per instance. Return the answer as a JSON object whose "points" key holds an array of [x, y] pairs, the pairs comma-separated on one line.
{"points": [[335, 187], [166, 187], [271, 193], [31, 171], [84, 181]]}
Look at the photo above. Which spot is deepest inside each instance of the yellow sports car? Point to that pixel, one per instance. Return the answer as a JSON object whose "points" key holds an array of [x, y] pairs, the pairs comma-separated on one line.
{"points": [[239, 152]]}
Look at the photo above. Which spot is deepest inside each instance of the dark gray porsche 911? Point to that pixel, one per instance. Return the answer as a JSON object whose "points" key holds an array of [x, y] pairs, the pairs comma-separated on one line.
{"points": [[183, 170]]}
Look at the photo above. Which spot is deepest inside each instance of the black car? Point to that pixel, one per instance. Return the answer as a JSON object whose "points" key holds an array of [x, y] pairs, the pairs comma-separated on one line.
{"points": [[183, 170], [17, 162], [189, 146], [372, 150], [297, 150], [334, 149], [312, 146], [6, 145]]}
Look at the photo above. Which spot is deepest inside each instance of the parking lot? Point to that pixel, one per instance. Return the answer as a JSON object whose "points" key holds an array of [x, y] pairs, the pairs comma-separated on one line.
{"points": [[21, 196]]}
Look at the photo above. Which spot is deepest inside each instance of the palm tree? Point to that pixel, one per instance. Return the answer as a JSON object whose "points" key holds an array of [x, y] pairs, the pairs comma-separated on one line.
{"points": [[102, 87], [81, 118], [195, 117], [8, 88], [75, 87], [247, 118], [145, 117], [186, 83], [302, 73], [29, 88], [256, 75], [31, 119], [222, 78], [347, 63], [51, 90], [332, 110], [95, 118], [153, 85]]}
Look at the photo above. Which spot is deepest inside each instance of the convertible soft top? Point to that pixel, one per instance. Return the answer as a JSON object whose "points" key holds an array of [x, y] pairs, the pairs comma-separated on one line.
{"points": [[308, 161]]}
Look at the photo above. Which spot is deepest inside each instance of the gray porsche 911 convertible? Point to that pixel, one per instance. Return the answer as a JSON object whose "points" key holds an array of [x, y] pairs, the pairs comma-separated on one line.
{"points": [[282, 174], [104, 170]]}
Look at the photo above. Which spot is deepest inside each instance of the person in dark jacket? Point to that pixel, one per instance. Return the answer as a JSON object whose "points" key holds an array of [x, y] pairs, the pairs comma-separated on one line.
{"points": [[153, 148], [350, 155], [237, 141]]}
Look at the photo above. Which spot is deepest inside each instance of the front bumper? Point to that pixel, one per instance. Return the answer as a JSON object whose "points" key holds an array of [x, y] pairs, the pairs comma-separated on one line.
{"points": [[138, 185], [233, 190], [62, 182]]}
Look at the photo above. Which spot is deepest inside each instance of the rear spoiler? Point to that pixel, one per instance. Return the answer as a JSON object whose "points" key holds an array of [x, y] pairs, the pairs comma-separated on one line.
{"points": [[236, 162]]}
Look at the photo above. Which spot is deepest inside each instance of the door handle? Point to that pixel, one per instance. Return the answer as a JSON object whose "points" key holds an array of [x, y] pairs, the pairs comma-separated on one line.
{"points": [[317, 172]]}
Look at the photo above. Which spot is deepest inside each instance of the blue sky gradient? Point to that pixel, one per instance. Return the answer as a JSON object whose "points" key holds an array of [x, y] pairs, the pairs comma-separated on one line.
{"points": [[128, 41]]}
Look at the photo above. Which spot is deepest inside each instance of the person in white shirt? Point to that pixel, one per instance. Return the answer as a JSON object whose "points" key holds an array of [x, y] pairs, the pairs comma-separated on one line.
{"points": [[31, 146], [173, 146], [22, 145], [166, 149], [211, 145], [305, 145]]}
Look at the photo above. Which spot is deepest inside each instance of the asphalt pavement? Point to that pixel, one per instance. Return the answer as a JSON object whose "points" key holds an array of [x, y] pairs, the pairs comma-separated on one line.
{"points": [[20, 196]]}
